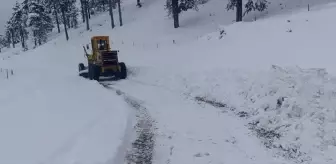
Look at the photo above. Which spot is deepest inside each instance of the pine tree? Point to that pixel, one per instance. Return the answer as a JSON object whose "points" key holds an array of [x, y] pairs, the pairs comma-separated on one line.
{"points": [[17, 24], [251, 5], [175, 7], [72, 14], [260, 5], [83, 10], [89, 5], [2, 42], [12, 38], [9, 33], [100, 5], [8, 38], [54, 8], [63, 7], [40, 22], [138, 4], [86, 13]]}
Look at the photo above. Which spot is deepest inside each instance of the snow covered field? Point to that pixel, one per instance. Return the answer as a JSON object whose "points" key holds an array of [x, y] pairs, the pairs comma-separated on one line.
{"points": [[254, 94]]}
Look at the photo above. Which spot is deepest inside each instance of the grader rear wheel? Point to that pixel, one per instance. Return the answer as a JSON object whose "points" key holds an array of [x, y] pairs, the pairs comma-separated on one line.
{"points": [[123, 71]]}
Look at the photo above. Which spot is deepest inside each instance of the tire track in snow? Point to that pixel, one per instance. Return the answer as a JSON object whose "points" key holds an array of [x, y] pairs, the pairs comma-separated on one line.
{"points": [[231, 133], [142, 147]]}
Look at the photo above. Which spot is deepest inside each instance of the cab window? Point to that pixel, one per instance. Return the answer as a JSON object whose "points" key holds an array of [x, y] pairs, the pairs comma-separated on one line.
{"points": [[102, 44]]}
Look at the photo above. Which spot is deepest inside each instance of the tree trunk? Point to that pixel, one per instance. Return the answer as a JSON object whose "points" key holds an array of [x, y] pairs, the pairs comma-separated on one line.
{"points": [[87, 6], [68, 22], [13, 39], [111, 13], [35, 40], [65, 26], [22, 38], [83, 10], [87, 15], [8, 41], [239, 14], [57, 20], [119, 10], [138, 3], [175, 13]]}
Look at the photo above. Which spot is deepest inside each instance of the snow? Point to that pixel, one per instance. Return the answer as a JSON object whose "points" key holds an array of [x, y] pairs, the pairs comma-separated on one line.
{"points": [[51, 115], [195, 135], [206, 91], [244, 80]]}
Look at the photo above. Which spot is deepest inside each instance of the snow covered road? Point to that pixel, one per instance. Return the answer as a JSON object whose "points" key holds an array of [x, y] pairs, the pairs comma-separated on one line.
{"points": [[138, 144], [188, 132]]}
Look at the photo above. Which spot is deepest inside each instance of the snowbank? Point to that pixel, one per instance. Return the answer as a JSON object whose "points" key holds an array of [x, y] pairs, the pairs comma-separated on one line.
{"points": [[48, 114], [289, 108], [44, 119]]}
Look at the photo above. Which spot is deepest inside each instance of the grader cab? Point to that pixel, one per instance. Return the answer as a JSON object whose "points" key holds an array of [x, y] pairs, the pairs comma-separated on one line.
{"points": [[102, 61]]}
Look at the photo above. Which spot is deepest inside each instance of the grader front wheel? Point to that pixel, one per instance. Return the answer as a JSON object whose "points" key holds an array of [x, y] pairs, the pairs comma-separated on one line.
{"points": [[81, 67], [94, 72]]}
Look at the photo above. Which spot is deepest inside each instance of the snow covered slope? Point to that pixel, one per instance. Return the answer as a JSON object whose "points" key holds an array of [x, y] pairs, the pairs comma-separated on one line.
{"points": [[291, 110], [48, 114], [214, 97]]}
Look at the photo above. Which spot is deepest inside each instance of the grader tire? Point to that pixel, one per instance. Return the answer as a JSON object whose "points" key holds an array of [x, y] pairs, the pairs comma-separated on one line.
{"points": [[81, 67], [123, 71], [97, 71], [94, 72], [90, 71]]}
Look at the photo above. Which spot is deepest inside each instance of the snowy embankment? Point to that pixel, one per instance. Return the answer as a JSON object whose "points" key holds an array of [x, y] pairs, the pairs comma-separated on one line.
{"points": [[48, 114], [290, 108]]}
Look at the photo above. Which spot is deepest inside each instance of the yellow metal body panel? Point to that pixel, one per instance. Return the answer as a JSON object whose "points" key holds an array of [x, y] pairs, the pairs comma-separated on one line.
{"points": [[98, 44]]}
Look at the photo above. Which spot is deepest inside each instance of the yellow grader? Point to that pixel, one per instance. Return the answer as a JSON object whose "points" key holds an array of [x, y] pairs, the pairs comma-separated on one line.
{"points": [[102, 61]]}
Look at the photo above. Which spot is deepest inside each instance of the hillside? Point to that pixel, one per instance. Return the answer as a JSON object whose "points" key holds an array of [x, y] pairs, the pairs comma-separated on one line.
{"points": [[260, 92]]}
